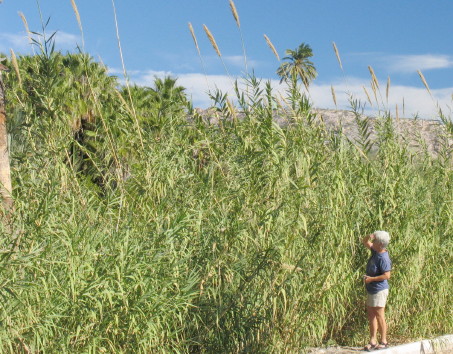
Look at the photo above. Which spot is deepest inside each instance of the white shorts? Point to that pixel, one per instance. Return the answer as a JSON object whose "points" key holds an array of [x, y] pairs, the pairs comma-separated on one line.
{"points": [[377, 300]]}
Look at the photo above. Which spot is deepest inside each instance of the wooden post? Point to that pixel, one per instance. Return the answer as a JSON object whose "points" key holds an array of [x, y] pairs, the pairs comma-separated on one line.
{"points": [[5, 172]]}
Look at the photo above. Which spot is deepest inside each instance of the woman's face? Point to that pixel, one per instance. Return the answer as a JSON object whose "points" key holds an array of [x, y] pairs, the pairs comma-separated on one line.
{"points": [[378, 245]]}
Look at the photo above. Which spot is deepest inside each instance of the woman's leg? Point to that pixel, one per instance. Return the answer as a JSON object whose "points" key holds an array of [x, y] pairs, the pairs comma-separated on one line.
{"points": [[373, 322], [380, 317]]}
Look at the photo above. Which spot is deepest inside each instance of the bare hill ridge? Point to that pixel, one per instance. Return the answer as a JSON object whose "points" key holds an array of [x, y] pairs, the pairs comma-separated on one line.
{"points": [[414, 133]]}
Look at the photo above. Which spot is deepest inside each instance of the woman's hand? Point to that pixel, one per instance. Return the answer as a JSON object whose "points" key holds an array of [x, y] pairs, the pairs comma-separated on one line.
{"points": [[367, 279], [368, 240]]}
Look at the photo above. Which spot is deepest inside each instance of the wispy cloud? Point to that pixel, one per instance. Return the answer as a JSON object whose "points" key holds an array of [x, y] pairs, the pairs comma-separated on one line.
{"points": [[66, 40], [405, 63], [18, 42], [238, 60], [424, 62], [417, 101]]}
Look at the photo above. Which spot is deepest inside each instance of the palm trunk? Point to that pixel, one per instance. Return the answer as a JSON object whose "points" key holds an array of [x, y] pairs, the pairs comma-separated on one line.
{"points": [[5, 172]]}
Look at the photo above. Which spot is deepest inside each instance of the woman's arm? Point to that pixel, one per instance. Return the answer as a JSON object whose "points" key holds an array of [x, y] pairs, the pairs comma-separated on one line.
{"points": [[384, 276], [368, 241]]}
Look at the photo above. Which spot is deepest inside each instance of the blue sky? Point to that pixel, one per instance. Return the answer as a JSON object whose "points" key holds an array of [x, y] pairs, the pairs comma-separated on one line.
{"points": [[396, 38]]}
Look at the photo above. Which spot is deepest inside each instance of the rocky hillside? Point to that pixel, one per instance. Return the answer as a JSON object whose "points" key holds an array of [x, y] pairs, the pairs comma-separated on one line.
{"points": [[412, 132]]}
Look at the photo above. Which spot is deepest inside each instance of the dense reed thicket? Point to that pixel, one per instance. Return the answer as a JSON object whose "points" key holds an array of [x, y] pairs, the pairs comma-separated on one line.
{"points": [[136, 229]]}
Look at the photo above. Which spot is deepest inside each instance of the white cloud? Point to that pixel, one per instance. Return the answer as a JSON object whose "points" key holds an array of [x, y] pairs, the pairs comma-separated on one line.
{"points": [[417, 100], [67, 40], [412, 63], [405, 64], [18, 42], [197, 85]]}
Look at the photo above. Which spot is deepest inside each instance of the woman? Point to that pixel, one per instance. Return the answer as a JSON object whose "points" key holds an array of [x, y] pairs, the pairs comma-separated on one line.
{"points": [[377, 273]]}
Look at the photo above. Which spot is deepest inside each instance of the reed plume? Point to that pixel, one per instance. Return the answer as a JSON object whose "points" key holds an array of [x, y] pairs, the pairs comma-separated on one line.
{"points": [[373, 77], [194, 37], [125, 75], [231, 109], [374, 89], [216, 48], [269, 43], [79, 22], [424, 82], [212, 40], [333, 95], [235, 13], [236, 18], [387, 89], [375, 86], [16, 67], [337, 54], [192, 32], [367, 95], [27, 29]]}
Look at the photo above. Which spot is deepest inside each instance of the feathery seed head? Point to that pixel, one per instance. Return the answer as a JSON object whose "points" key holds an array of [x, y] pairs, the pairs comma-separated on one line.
{"points": [[192, 32], [333, 95], [212, 40], [269, 43], [24, 20], [337, 54], [387, 89], [367, 95], [235, 13], [373, 76], [76, 11], [424, 82], [16, 66]]}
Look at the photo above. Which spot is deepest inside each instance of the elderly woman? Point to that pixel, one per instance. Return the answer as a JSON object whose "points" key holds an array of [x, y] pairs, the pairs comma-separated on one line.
{"points": [[377, 273]]}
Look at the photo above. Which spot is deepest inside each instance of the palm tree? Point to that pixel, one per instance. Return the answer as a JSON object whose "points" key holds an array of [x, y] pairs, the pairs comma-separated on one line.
{"points": [[298, 66], [169, 98], [167, 91]]}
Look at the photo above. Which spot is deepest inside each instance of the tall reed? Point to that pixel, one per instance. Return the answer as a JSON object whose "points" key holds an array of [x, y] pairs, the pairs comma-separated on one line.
{"points": [[241, 235], [235, 14], [216, 48]]}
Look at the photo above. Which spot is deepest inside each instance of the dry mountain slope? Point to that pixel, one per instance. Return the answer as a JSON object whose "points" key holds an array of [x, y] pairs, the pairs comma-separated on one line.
{"points": [[413, 132]]}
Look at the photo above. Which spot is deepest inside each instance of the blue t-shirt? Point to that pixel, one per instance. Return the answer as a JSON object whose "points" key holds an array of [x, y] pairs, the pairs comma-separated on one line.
{"points": [[378, 264]]}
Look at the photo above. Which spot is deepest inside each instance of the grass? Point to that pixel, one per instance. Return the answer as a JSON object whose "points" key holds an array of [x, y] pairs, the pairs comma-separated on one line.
{"points": [[137, 230]]}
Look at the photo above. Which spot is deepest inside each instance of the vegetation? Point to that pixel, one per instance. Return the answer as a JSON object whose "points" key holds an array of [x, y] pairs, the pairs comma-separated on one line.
{"points": [[136, 229], [298, 66]]}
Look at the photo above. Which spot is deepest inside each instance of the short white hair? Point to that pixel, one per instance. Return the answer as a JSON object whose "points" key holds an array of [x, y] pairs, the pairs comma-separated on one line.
{"points": [[382, 237]]}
